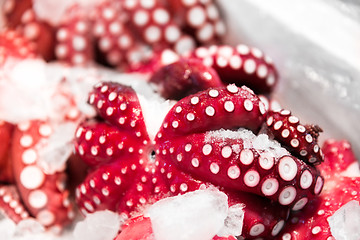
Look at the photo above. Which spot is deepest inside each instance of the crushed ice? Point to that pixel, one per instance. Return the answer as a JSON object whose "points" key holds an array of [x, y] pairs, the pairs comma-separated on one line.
{"points": [[54, 151], [186, 217], [344, 223], [259, 142], [28, 229], [154, 111], [353, 170], [24, 92], [101, 225], [154, 108]]}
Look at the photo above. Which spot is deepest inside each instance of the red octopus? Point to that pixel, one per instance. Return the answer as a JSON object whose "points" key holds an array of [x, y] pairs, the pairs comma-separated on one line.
{"points": [[197, 144], [118, 33]]}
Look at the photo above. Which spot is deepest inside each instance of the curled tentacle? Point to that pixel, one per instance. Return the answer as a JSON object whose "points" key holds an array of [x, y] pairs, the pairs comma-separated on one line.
{"points": [[229, 163], [11, 204], [184, 77], [301, 140]]}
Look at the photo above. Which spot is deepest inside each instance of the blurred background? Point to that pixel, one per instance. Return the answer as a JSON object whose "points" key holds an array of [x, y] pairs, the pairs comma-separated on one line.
{"points": [[315, 45]]}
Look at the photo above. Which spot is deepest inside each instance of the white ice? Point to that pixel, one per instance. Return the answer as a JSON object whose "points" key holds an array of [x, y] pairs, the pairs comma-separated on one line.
{"points": [[154, 108], [28, 229], [101, 225], [195, 215], [24, 93], [345, 222], [54, 12], [353, 170], [259, 142], [154, 111], [54, 151], [233, 223]]}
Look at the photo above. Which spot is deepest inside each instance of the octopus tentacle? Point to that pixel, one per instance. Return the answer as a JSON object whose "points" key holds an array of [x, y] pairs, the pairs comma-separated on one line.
{"points": [[43, 193], [241, 65], [11, 205], [227, 107], [226, 162], [301, 140]]}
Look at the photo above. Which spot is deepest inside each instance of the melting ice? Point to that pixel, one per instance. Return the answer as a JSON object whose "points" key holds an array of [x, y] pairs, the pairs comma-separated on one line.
{"points": [[345, 222], [186, 217]]}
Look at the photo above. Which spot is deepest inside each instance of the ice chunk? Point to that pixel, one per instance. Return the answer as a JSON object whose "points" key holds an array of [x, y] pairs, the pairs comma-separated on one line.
{"points": [[353, 170], [345, 222], [28, 227], [195, 215], [262, 142], [101, 225], [234, 221], [7, 228], [154, 111], [22, 91]]}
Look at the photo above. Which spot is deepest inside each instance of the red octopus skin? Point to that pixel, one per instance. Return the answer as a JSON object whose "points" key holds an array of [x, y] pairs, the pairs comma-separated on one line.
{"points": [[112, 35], [43, 195], [13, 11], [129, 170], [242, 65], [14, 45], [73, 39], [301, 140], [184, 77], [114, 38], [21, 17], [153, 23], [338, 190], [6, 130], [200, 18], [185, 142], [11, 205]]}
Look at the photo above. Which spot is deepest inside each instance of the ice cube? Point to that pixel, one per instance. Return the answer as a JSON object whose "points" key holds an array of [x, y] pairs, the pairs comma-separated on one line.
{"points": [[353, 170], [7, 228], [234, 221], [345, 222], [28, 227], [195, 215], [101, 225], [154, 111]]}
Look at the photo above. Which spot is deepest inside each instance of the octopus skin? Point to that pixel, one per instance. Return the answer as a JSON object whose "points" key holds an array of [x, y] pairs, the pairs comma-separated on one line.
{"points": [[129, 170]]}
